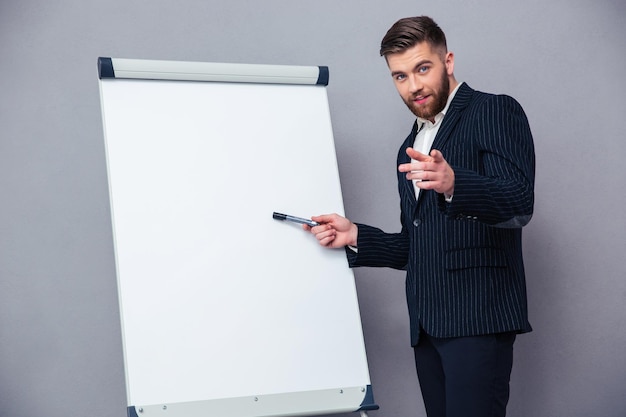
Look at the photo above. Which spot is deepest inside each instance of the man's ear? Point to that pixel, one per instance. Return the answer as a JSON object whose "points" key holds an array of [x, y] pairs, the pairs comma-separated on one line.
{"points": [[449, 62]]}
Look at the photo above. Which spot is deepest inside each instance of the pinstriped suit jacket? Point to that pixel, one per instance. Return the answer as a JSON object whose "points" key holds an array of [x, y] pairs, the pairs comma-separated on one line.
{"points": [[465, 273]]}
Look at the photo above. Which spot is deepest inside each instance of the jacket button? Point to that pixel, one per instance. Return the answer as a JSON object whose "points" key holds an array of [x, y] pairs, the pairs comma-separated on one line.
{"points": [[416, 222]]}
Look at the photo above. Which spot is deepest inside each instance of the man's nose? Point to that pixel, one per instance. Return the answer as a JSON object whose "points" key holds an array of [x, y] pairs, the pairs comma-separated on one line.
{"points": [[415, 84]]}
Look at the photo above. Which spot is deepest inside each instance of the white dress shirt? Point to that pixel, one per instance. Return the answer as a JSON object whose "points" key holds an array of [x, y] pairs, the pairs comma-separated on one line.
{"points": [[426, 135]]}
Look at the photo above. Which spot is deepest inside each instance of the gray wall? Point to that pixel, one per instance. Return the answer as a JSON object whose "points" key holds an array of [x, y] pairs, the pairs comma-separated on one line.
{"points": [[60, 349]]}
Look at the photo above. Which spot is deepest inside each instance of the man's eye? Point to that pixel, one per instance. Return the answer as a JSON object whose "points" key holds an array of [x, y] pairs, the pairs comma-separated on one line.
{"points": [[400, 77], [422, 69]]}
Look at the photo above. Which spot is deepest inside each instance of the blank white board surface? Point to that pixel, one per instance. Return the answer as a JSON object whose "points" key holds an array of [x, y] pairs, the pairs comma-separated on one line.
{"points": [[226, 311]]}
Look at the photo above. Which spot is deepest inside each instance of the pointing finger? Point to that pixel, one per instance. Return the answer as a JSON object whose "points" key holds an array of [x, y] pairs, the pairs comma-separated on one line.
{"points": [[418, 156]]}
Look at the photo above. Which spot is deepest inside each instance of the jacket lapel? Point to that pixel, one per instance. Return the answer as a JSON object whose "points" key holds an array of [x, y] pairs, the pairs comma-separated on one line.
{"points": [[404, 159], [460, 101]]}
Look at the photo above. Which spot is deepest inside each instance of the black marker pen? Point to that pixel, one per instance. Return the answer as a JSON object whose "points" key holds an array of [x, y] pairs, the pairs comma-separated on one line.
{"points": [[280, 216]]}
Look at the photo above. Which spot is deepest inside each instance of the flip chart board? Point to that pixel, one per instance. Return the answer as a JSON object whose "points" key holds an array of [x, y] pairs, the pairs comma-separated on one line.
{"points": [[225, 310]]}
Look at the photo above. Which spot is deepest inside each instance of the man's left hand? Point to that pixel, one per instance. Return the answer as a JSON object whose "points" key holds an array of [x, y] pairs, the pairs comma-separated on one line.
{"points": [[432, 172]]}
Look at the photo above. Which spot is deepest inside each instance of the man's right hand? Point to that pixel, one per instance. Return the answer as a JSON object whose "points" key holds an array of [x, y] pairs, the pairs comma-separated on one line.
{"points": [[334, 231]]}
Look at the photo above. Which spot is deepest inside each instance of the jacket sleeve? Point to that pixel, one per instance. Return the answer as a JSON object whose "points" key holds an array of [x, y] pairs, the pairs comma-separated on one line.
{"points": [[379, 249], [497, 186]]}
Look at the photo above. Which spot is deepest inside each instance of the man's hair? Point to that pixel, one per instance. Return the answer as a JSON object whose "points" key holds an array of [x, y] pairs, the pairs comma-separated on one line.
{"points": [[410, 31]]}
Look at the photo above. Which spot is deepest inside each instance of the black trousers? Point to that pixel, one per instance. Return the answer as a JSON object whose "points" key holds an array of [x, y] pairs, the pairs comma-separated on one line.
{"points": [[465, 376]]}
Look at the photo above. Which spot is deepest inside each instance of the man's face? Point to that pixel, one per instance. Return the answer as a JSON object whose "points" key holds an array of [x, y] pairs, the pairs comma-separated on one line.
{"points": [[421, 76]]}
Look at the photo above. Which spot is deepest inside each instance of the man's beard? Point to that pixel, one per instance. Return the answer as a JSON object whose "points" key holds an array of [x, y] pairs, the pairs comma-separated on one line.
{"points": [[434, 108]]}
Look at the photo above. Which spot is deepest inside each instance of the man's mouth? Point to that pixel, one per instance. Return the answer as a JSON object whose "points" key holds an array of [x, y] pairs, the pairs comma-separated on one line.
{"points": [[420, 99]]}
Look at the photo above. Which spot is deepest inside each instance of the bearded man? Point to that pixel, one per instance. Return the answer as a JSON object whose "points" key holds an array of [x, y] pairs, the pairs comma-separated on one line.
{"points": [[466, 184]]}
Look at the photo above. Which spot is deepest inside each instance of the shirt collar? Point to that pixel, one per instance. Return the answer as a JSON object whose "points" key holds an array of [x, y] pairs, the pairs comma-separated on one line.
{"points": [[443, 112]]}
